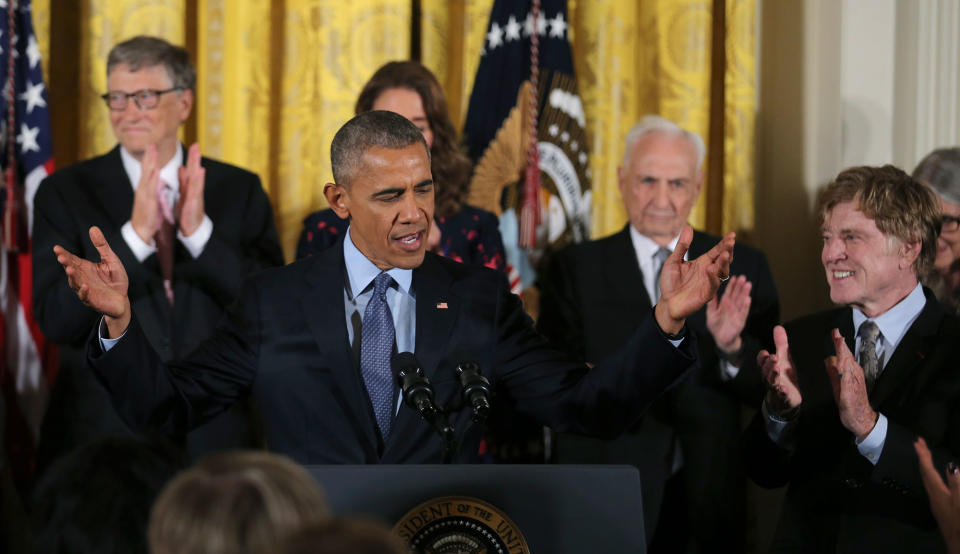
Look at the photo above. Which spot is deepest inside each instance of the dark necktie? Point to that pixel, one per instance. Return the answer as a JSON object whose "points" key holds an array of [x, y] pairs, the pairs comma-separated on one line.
{"points": [[376, 346], [659, 257], [869, 333], [164, 240]]}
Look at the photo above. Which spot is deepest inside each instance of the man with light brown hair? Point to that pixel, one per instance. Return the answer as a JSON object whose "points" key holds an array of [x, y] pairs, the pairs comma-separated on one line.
{"points": [[842, 438], [188, 229]]}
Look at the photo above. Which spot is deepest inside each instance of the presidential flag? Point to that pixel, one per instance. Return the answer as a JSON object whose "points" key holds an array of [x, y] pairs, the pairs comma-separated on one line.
{"points": [[28, 362], [525, 130]]}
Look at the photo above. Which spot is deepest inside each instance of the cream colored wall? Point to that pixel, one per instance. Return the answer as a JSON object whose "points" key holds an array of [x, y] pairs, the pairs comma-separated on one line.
{"points": [[840, 83]]}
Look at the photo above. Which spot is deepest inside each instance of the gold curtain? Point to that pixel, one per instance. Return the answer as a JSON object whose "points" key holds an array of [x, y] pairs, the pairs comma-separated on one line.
{"points": [[277, 79]]}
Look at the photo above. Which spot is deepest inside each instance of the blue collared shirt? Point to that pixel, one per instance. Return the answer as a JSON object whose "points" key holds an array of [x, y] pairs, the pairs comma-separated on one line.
{"points": [[893, 326], [358, 290]]}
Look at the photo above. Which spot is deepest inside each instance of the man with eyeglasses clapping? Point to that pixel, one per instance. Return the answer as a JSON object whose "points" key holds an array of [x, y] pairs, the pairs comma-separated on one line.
{"points": [[187, 228]]}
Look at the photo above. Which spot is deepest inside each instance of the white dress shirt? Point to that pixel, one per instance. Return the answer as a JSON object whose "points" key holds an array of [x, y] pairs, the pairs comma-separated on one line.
{"points": [[169, 174]]}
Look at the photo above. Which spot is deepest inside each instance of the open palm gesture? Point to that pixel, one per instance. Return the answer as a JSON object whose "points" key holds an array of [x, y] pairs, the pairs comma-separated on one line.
{"points": [[102, 286]]}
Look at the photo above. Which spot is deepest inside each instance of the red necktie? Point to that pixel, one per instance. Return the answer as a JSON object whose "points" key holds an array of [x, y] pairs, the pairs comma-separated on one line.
{"points": [[165, 237]]}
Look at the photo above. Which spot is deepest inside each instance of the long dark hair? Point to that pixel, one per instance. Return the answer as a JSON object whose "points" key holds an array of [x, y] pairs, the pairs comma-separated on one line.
{"points": [[451, 168]]}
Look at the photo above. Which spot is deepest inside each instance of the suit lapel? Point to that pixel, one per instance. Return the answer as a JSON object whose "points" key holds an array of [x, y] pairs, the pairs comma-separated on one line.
{"points": [[699, 245], [906, 363], [437, 309], [623, 271], [114, 190], [325, 314]]}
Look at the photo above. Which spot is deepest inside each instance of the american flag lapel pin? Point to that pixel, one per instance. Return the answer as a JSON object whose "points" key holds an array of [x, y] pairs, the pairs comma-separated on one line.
{"points": [[441, 305]]}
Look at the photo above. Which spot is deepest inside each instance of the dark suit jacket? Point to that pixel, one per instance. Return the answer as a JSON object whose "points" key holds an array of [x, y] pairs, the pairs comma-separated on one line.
{"points": [[837, 501], [285, 342], [592, 294], [98, 192]]}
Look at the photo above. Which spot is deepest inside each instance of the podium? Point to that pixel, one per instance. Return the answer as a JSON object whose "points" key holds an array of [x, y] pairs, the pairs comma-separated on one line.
{"points": [[558, 508]]}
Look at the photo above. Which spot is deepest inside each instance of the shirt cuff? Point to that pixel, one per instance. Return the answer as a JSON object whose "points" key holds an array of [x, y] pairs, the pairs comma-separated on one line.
{"points": [[872, 446], [105, 343], [777, 429], [140, 249], [728, 371], [196, 242]]}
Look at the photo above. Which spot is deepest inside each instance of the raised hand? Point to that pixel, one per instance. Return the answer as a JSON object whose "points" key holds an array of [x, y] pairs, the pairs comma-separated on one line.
{"points": [[686, 286], [727, 316], [850, 389], [944, 496], [192, 178], [102, 286], [780, 375], [145, 216]]}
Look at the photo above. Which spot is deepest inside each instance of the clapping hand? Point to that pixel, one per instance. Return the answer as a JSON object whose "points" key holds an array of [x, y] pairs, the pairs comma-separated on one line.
{"points": [[944, 496], [850, 389], [727, 316], [686, 286], [192, 179], [780, 375]]}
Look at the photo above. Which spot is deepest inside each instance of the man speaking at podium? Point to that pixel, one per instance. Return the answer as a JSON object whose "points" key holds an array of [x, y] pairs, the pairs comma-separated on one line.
{"points": [[313, 341]]}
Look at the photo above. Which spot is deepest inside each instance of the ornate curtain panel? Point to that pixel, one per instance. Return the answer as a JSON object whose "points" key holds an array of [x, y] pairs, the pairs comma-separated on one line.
{"points": [[277, 79]]}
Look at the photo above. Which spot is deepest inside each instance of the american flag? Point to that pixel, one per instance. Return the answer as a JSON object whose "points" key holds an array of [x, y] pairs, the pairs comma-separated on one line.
{"points": [[27, 361], [528, 41]]}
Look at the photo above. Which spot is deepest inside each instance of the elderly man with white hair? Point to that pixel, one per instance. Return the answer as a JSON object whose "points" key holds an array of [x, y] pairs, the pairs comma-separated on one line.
{"points": [[687, 447]]}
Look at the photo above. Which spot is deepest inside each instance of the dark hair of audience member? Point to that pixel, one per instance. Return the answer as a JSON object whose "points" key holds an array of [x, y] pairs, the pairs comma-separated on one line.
{"points": [[240, 502], [376, 129], [97, 499], [451, 168], [343, 536]]}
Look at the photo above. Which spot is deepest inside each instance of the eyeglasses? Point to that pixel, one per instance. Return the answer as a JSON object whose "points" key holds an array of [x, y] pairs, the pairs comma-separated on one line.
{"points": [[145, 99], [949, 223]]}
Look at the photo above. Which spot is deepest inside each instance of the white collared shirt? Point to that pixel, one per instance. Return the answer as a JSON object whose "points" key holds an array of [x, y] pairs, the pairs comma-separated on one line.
{"points": [[646, 250], [169, 174]]}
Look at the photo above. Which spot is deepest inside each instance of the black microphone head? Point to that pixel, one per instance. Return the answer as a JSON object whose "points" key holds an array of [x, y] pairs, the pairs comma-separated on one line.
{"points": [[403, 364], [403, 360]]}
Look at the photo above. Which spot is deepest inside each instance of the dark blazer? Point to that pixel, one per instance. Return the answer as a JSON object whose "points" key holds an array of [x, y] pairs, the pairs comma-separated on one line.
{"points": [[285, 342], [591, 295], [98, 192], [837, 501]]}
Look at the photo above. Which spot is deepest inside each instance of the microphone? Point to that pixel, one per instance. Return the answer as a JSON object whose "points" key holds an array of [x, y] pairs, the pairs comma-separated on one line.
{"points": [[475, 390], [416, 388]]}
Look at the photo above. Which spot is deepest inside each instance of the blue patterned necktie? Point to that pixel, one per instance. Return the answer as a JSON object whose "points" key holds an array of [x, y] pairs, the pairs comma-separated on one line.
{"points": [[376, 346]]}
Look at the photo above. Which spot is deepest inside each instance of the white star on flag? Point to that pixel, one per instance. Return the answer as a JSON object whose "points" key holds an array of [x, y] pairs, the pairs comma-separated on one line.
{"points": [[33, 51], [33, 96], [541, 24], [27, 139], [495, 36], [528, 25], [553, 129], [565, 136], [558, 26], [512, 29]]}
